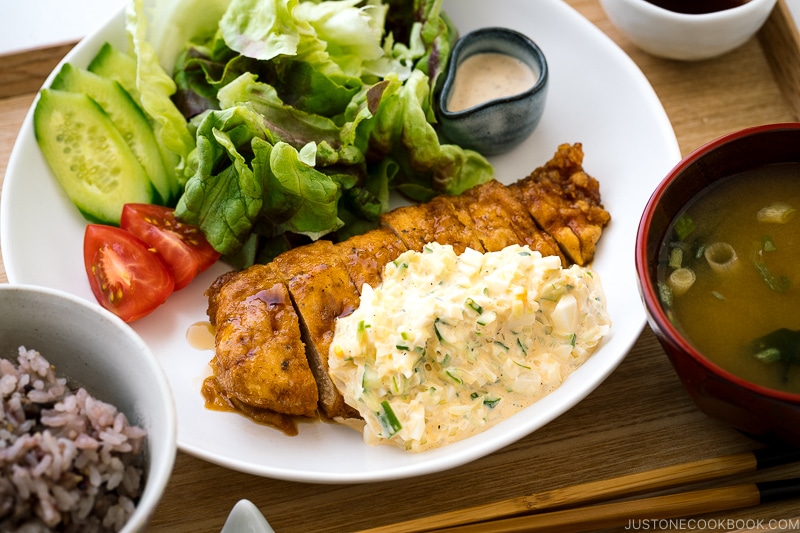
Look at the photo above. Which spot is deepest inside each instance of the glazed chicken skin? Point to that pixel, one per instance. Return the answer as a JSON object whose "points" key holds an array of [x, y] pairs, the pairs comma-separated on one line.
{"points": [[565, 202], [321, 290], [271, 356], [256, 367]]}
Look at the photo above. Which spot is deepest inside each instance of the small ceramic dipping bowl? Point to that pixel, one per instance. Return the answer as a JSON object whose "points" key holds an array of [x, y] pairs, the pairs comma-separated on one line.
{"points": [[99, 456], [495, 104], [687, 36], [724, 388]]}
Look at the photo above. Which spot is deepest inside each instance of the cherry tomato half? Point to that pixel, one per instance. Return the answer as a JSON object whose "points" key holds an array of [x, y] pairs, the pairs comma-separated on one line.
{"points": [[182, 246], [126, 277]]}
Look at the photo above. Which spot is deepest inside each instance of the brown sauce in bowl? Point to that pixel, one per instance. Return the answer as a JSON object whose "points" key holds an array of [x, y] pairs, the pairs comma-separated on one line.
{"points": [[697, 7]]}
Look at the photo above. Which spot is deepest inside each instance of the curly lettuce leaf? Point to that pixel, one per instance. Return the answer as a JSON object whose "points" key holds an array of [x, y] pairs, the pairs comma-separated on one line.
{"points": [[262, 29], [308, 113], [301, 199], [245, 177], [334, 37], [154, 88], [391, 122], [224, 196]]}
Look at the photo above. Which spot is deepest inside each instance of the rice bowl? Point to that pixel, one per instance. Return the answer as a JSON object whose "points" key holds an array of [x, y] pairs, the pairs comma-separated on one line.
{"points": [[68, 461], [88, 424]]}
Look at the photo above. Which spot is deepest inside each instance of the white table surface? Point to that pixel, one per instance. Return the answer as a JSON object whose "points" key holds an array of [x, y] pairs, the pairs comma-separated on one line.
{"points": [[30, 24]]}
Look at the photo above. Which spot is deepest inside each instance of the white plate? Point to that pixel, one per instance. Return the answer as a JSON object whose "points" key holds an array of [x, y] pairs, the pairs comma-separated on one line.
{"points": [[597, 96]]}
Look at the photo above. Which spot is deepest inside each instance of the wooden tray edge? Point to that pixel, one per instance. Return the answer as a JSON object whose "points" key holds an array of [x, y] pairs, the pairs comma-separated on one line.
{"points": [[780, 40], [24, 72]]}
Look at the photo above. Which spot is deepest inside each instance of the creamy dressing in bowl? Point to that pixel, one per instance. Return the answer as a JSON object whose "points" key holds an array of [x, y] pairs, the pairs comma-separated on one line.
{"points": [[488, 76]]}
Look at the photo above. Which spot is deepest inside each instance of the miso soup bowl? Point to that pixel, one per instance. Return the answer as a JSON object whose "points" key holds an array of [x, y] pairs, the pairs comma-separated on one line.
{"points": [[686, 37], [497, 125], [762, 413], [94, 349]]}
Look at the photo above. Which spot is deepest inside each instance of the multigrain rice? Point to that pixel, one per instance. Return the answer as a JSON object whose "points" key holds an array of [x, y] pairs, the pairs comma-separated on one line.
{"points": [[68, 461]]}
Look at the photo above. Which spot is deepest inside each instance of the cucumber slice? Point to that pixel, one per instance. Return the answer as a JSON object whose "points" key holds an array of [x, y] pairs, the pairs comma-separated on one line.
{"points": [[129, 119], [89, 156], [115, 65]]}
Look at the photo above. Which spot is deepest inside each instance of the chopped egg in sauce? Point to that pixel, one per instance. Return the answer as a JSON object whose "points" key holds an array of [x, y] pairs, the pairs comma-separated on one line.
{"points": [[448, 345]]}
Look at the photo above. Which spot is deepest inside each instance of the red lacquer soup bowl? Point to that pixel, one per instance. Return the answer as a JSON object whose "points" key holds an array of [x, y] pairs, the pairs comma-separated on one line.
{"points": [[763, 413]]}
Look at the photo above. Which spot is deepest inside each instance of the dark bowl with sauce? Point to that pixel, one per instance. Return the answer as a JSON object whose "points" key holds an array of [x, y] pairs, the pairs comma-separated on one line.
{"points": [[499, 117], [760, 411], [695, 30]]}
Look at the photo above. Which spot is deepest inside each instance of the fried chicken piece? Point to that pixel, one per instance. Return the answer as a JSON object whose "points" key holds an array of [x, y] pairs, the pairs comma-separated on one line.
{"points": [[501, 220], [555, 210], [565, 202], [217, 398], [365, 255], [259, 358], [322, 291], [434, 221]]}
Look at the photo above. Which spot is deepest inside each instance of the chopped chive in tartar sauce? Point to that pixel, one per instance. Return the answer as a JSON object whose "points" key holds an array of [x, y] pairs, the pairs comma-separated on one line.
{"points": [[456, 343]]}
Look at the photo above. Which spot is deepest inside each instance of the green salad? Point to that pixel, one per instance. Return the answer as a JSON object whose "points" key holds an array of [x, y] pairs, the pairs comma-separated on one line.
{"points": [[283, 121]]}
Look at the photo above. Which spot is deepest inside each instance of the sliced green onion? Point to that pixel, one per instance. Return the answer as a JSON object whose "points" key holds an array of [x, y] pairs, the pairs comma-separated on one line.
{"points": [[436, 323], [676, 258], [770, 355], [721, 257], [665, 294], [767, 244], [454, 377], [700, 251], [684, 226], [777, 213], [775, 283], [522, 346], [472, 304], [681, 280], [388, 419], [491, 402]]}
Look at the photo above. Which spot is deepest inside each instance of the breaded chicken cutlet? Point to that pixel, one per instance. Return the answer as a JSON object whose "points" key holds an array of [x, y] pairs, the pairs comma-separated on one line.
{"points": [[274, 323]]}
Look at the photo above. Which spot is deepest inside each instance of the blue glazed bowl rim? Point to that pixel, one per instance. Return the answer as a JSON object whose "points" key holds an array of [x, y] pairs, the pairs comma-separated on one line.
{"points": [[482, 33]]}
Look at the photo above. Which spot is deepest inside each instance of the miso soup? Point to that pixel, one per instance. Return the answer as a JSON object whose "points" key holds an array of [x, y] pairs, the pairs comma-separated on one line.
{"points": [[737, 247]]}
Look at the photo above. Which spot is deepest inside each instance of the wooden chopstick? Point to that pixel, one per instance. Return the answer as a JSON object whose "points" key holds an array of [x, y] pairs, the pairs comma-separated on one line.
{"points": [[595, 491], [656, 508]]}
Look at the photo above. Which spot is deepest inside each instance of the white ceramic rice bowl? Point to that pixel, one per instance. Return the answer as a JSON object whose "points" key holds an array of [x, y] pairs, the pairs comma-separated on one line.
{"points": [[100, 352]]}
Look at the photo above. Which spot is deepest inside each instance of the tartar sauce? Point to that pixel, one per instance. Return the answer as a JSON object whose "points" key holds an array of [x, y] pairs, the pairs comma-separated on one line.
{"points": [[488, 76], [450, 344]]}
